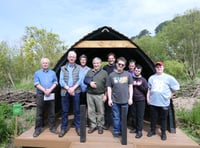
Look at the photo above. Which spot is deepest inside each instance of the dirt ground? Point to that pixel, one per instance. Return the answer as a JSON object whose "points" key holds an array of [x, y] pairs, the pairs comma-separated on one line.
{"points": [[185, 102]]}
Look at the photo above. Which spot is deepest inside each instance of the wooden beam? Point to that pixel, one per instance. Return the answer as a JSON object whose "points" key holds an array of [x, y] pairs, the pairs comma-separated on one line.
{"points": [[105, 44]]}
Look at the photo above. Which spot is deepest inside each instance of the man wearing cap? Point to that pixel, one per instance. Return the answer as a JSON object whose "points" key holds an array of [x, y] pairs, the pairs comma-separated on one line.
{"points": [[162, 87]]}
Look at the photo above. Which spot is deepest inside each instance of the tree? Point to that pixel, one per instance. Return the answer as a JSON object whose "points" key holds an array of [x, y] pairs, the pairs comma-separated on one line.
{"points": [[142, 33], [181, 37], [153, 47], [4, 65], [160, 27], [39, 43]]}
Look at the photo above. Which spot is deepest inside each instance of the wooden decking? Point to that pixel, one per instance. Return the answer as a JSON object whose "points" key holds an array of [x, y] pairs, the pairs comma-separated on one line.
{"points": [[106, 140]]}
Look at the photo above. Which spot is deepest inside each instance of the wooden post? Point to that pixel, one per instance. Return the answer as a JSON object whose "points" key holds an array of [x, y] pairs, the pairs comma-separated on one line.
{"points": [[82, 123], [16, 125], [124, 125], [171, 118]]}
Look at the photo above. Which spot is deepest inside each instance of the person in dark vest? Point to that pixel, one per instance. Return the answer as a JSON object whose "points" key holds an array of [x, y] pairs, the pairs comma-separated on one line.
{"points": [[45, 81], [70, 80]]}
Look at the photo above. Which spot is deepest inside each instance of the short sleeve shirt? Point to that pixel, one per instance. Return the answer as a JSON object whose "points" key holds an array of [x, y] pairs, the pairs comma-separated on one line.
{"points": [[119, 83]]}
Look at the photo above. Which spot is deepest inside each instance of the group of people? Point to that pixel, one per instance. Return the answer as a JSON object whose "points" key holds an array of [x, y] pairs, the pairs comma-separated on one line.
{"points": [[104, 91]]}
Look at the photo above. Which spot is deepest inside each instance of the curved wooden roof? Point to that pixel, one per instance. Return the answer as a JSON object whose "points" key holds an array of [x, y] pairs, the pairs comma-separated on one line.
{"points": [[104, 40]]}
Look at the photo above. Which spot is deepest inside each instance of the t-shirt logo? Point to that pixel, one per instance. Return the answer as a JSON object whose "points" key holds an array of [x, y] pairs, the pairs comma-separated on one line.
{"points": [[157, 85], [121, 80]]}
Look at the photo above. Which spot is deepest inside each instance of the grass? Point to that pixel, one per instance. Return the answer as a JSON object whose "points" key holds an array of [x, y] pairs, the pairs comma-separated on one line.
{"points": [[189, 121], [8, 123]]}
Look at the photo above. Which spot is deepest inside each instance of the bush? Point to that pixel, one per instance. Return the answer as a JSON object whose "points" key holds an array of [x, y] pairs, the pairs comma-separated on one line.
{"points": [[6, 128], [8, 120], [176, 69], [189, 120]]}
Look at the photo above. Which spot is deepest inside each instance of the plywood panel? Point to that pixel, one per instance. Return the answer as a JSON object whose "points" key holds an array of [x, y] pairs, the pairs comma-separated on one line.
{"points": [[105, 44]]}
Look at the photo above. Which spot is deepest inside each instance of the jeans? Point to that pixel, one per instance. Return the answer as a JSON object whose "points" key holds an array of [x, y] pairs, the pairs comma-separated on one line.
{"points": [[41, 108], [65, 110], [116, 113]]}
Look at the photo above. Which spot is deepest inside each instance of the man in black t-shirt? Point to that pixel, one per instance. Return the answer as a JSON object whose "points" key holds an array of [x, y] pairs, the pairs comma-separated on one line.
{"points": [[109, 68]]}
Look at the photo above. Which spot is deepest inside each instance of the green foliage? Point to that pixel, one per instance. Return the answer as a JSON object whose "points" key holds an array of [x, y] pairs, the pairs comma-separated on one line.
{"points": [[160, 27], [4, 63], [190, 120], [6, 130], [26, 120], [8, 120], [153, 47], [39, 43], [104, 63], [175, 68], [181, 37], [5, 110], [25, 84], [17, 65]]}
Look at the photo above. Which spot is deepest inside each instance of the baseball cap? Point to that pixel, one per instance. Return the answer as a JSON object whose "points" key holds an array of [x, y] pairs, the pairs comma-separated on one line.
{"points": [[159, 63]]}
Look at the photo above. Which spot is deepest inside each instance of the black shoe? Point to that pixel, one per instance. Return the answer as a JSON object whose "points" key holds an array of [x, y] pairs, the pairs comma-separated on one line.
{"points": [[133, 130], [36, 133], [100, 130], [163, 136], [62, 133], [116, 135], [151, 133], [91, 130], [106, 127], [138, 135], [78, 131], [54, 131]]}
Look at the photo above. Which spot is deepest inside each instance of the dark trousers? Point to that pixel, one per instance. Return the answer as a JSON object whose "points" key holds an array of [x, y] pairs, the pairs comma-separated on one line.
{"points": [[160, 113], [137, 110], [83, 101], [108, 114], [41, 108], [83, 98]]}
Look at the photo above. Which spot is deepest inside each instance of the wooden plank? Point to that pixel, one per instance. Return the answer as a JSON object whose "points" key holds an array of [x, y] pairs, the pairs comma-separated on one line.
{"points": [[105, 44]]}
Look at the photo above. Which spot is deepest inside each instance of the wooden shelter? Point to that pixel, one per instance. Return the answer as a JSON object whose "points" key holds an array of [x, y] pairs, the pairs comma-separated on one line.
{"points": [[102, 41]]}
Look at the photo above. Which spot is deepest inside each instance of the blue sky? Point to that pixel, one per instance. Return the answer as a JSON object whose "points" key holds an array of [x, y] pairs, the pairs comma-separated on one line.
{"points": [[73, 19]]}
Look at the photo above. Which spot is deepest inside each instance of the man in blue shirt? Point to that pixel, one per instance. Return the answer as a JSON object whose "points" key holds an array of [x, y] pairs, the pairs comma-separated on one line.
{"points": [[70, 80], [84, 69], [45, 81], [161, 88]]}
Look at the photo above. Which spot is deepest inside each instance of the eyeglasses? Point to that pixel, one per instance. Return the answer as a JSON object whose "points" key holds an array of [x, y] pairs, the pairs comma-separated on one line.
{"points": [[120, 64]]}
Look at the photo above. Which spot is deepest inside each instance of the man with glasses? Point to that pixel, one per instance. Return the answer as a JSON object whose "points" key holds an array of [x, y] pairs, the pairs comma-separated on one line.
{"points": [[120, 91]]}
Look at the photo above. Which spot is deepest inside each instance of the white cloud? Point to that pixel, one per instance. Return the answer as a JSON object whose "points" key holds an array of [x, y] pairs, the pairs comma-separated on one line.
{"points": [[74, 19]]}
